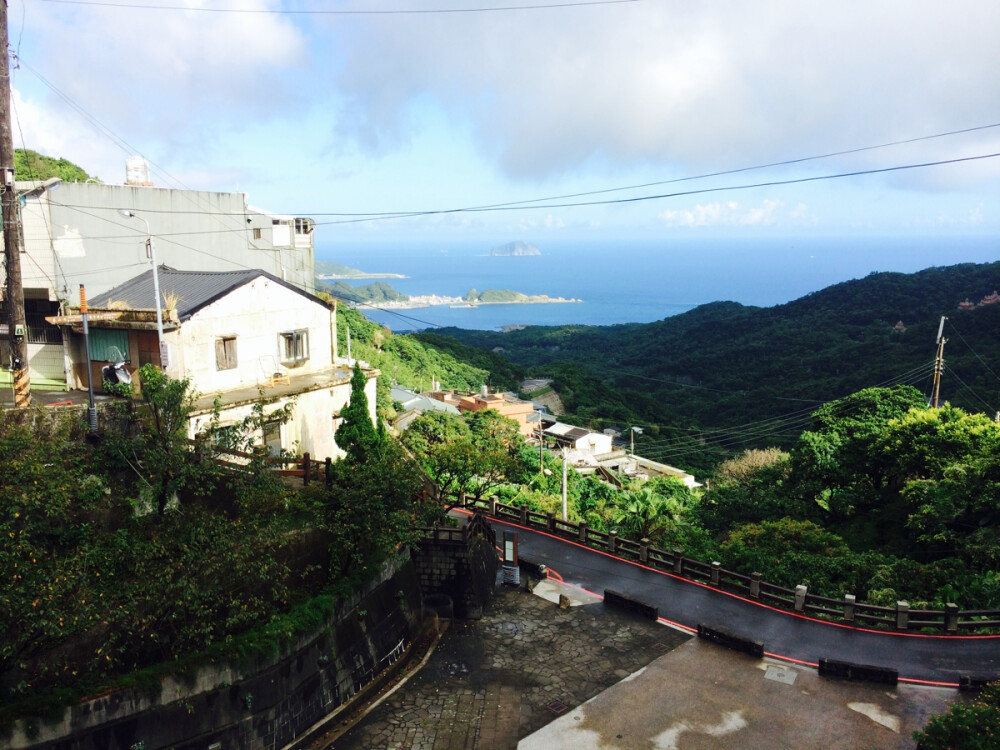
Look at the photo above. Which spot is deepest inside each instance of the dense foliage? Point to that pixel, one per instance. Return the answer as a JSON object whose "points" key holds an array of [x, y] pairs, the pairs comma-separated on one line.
{"points": [[968, 724], [31, 165], [139, 548], [416, 361], [740, 376]]}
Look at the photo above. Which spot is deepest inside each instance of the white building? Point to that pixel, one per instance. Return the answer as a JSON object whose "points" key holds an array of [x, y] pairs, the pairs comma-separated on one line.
{"points": [[74, 234], [235, 336]]}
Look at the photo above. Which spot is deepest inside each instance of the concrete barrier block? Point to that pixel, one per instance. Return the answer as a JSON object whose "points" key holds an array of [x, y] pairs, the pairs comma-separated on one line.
{"points": [[627, 603], [969, 683], [731, 640], [844, 670]]}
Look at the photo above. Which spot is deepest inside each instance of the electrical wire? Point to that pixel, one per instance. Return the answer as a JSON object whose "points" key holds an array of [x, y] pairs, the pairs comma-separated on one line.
{"points": [[387, 12], [359, 218], [982, 361]]}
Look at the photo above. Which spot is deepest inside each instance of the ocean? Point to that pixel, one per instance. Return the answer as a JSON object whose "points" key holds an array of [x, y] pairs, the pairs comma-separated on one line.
{"points": [[635, 281]]}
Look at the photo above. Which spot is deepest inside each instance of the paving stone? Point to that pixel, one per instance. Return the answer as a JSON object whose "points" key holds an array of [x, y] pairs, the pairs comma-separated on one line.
{"points": [[489, 681]]}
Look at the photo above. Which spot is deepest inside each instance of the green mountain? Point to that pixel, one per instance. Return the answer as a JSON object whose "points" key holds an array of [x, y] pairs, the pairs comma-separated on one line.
{"points": [[31, 165], [751, 371]]}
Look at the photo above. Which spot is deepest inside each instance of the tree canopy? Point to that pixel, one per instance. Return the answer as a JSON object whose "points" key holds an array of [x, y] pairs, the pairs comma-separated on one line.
{"points": [[31, 165]]}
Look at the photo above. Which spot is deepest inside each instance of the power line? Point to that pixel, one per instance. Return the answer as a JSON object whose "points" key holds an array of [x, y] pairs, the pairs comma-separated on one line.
{"points": [[358, 218], [387, 12]]}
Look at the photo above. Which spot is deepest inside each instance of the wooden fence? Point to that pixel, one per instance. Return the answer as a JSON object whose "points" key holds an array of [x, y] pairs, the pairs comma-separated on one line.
{"points": [[951, 620]]}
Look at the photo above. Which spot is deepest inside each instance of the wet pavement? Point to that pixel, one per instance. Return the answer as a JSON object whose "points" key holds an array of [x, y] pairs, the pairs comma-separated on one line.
{"points": [[535, 676], [493, 681]]}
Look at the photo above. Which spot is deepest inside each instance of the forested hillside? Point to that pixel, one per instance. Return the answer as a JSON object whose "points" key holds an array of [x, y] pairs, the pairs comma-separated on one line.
{"points": [[747, 371]]}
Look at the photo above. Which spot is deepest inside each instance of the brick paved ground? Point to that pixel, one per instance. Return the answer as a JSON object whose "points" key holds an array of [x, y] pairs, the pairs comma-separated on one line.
{"points": [[491, 681]]}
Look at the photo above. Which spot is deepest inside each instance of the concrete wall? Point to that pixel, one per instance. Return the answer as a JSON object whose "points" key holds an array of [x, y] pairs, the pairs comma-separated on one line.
{"points": [[256, 314], [75, 235], [261, 706], [465, 570]]}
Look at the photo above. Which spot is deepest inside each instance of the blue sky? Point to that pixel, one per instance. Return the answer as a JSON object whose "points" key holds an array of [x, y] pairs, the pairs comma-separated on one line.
{"points": [[320, 113]]}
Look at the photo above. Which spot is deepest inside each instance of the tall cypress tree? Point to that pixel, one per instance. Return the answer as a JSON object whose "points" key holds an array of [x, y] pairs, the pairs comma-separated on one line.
{"points": [[357, 435]]}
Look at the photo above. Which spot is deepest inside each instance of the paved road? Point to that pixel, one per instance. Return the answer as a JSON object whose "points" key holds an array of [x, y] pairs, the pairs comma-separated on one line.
{"points": [[917, 658]]}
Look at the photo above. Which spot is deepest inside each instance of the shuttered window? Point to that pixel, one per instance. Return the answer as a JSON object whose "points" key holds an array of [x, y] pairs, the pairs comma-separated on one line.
{"points": [[107, 345], [225, 353]]}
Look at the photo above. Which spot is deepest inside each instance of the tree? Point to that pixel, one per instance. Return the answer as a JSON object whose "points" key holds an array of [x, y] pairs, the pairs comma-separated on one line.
{"points": [[31, 165], [357, 435], [372, 506], [150, 436], [968, 724], [837, 462]]}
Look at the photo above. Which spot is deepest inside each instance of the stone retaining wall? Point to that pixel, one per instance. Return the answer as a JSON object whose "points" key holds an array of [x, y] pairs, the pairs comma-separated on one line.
{"points": [[260, 706]]}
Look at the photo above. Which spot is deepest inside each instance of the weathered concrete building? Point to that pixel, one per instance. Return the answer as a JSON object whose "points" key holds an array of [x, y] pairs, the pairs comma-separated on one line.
{"points": [[233, 335], [75, 233]]}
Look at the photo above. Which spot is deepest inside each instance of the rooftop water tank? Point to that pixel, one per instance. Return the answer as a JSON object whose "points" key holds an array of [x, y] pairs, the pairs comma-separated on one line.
{"points": [[137, 171]]}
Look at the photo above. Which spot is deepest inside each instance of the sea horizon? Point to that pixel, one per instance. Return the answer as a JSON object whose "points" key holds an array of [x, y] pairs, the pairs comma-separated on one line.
{"points": [[634, 281]]}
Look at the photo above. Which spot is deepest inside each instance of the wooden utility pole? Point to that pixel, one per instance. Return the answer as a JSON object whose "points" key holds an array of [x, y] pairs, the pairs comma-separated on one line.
{"points": [[17, 328], [939, 363]]}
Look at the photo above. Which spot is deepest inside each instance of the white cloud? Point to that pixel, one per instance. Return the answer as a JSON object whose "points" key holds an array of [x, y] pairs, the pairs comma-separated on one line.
{"points": [[161, 80], [703, 86], [730, 214]]}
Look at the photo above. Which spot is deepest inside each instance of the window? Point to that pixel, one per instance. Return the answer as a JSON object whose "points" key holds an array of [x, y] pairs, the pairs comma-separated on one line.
{"points": [[108, 345], [272, 438], [225, 353], [304, 226], [257, 233], [294, 346]]}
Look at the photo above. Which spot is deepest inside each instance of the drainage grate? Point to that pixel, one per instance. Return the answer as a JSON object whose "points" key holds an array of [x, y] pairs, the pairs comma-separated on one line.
{"points": [[557, 707], [660, 648]]}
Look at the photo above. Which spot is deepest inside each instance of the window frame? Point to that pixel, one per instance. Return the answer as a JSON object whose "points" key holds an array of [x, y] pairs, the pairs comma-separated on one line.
{"points": [[229, 360], [298, 340]]}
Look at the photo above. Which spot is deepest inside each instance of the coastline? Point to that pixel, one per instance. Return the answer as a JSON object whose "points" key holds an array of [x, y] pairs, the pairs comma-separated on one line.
{"points": [[437, 300], [350, 276]]}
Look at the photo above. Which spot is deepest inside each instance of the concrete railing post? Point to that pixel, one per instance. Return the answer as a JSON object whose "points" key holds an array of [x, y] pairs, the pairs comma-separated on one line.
{"points": [[461, 499], [800, 597], [582, 538], [550, 521], [644, 551], [849, 601], [306, 469], [902, 615], [328, 471], [755, 585], [678, 561], [524, 516], [716, 567], [612, 542], [951, 618], [493, 505]]}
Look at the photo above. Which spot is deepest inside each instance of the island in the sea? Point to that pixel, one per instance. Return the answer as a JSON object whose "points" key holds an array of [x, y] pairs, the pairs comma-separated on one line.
{"points": [[327, 270], [517, 248], [384, 296]]}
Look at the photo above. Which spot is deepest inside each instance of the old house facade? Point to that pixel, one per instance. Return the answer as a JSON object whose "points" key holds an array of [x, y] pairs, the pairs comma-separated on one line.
{"points": [[238, 337]]}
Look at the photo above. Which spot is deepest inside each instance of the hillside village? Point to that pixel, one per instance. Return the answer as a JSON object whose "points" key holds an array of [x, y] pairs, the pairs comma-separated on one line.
{"points": [[239, 317]]}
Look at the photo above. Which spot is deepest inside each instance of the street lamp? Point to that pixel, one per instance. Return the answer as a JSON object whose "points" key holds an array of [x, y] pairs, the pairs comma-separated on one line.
{"points": [[151, 253]]}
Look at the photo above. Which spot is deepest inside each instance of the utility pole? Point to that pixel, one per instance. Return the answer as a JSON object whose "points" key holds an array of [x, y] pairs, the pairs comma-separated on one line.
{"points": [[17, 328], [939, 363], [541, 445]]}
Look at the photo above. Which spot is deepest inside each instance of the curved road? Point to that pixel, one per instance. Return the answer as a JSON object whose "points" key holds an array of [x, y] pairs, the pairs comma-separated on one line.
{"points": [[924, 659]]}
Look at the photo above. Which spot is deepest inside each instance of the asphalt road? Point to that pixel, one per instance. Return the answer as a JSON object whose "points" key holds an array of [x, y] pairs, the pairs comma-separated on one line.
{"points": [[917, 658]]}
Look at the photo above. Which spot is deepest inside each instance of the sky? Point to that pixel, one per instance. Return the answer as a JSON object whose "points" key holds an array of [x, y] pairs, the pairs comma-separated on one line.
{"points": [[354, 111]]}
